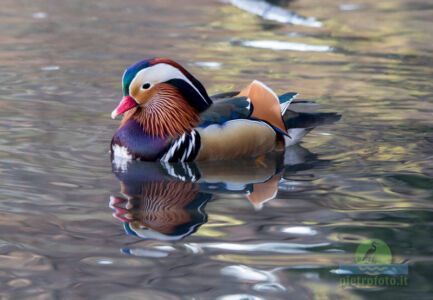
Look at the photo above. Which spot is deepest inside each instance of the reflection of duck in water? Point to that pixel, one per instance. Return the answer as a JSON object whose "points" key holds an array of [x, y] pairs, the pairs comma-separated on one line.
{"points": [[370, 252], [157, 206], [166, 201]]}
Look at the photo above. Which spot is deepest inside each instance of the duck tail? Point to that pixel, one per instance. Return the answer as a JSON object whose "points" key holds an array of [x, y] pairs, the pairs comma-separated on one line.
{"points": [[285, 101], [298, 124]]}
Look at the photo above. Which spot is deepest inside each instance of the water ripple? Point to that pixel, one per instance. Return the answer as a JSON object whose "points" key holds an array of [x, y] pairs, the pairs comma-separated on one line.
{"points": [[281, 45], [273, 13], [262, 247]]}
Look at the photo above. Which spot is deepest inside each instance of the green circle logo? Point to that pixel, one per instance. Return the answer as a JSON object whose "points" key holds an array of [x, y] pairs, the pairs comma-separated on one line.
{"points": [[373, 252]]}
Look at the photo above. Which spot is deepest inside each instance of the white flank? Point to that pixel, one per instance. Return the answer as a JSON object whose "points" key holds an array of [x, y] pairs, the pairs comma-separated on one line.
{"points": [[121, 157]]}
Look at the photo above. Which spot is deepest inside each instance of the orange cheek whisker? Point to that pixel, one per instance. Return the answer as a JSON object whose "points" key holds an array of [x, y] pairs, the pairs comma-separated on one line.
{"points": [[167, 113]]}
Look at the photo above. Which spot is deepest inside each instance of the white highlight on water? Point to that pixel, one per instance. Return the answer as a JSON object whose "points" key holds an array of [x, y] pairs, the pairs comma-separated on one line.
{"points": [[266, 280], [347, 7], [280, 45], [105, 262], [211, 65], [239, 297], [39, 15], [273, 12], [50, 68], [301, 230]]}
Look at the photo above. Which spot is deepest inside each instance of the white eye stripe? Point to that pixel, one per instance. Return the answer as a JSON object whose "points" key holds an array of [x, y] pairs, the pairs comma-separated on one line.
{"points": [[161, 73]]}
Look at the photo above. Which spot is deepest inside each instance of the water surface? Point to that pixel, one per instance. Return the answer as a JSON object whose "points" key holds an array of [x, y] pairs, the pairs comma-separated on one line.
{"points": [[69, 231]]}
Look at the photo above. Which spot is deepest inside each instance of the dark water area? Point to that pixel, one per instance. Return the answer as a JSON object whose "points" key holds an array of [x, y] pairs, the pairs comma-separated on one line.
{"points": [[74, 226]]}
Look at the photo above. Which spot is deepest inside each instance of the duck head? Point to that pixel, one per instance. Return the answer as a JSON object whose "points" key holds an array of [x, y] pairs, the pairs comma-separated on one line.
{"points": [[162, 96]]}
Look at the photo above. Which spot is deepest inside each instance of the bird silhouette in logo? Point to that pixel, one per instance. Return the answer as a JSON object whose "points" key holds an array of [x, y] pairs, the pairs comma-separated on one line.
{"points": [[370, 252]]}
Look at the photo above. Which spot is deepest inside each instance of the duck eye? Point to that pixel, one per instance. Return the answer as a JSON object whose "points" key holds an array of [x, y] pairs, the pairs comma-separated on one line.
{"points": [[146, 86]]}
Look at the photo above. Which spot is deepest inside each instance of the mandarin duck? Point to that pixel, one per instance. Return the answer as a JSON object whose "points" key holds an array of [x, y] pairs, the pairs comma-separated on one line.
{"points": [[168, 116]]}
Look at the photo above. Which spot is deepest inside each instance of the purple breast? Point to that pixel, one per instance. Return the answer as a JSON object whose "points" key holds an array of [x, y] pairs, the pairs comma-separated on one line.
{"points": [[139, 144]]}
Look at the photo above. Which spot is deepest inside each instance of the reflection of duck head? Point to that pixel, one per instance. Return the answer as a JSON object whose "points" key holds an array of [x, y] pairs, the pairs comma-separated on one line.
{"points": [[166, 201]]}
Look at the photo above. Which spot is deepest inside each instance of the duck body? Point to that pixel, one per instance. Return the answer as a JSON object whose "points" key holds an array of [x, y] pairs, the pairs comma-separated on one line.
{"points": [[168, 116]]}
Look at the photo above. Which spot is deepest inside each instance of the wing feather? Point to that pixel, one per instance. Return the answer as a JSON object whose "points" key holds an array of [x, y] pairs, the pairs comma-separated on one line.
{"points": [[226, 109]]}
